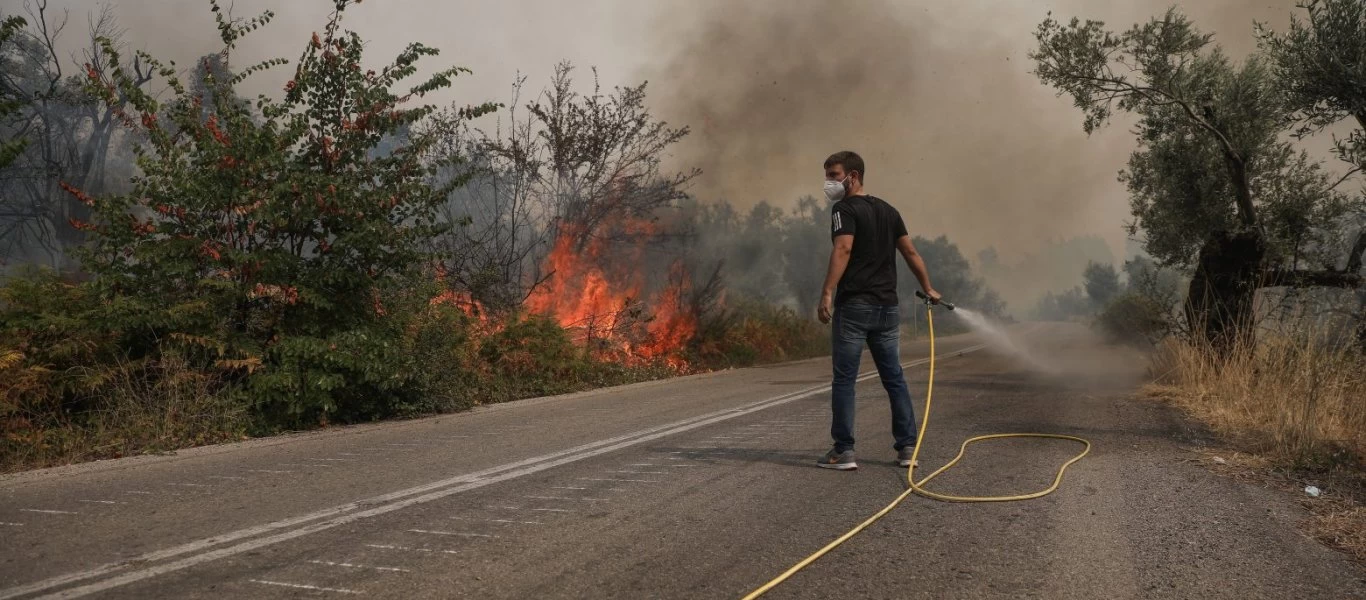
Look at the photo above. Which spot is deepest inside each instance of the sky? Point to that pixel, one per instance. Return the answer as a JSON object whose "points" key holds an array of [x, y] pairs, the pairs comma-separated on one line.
{"points": [[937, 96]]}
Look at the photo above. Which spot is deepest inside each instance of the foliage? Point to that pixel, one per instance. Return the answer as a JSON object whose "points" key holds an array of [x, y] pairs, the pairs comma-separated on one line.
{"points": [[1213, 184], [1320, 65], [10, 103], [565, 165], [69, 135], [1101, 282], [266, 239], [752, 332]]}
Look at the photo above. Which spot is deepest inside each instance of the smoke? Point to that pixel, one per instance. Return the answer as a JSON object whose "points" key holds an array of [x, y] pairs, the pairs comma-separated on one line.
{"points": [[937, 97]]}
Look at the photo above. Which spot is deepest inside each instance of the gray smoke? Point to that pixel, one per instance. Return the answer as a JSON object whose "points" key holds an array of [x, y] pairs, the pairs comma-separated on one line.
{"points": [[937, 97]]}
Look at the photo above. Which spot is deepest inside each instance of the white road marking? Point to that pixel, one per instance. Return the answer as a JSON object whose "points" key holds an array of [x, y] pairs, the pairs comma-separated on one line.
{"points": [[565, 487], [642, 465], [500, 521], [407, 549], [456, 533], [639, 472], [397, 500], [303, 586], [611, 479], [305, 465], [226, 477], [266, 471], [349, 454], [8, 524], [332, 459], [48, 512], [196, 485], [356, 566], [99, 501], [546, 498]]}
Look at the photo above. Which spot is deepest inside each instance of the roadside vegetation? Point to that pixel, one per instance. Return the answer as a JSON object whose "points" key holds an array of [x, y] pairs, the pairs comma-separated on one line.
{"points": [[1252, 293]]}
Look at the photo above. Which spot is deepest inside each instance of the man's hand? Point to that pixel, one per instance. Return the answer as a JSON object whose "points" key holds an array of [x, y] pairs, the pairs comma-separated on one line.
{"points": [[826, 310], [935, 297]]}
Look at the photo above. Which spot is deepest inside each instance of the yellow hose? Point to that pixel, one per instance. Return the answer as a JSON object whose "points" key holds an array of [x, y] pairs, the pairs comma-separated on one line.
{"points": [[914, 487]]}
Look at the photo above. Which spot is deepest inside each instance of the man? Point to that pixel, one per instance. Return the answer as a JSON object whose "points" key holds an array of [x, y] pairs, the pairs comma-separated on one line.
{"points": [[860, 297]]}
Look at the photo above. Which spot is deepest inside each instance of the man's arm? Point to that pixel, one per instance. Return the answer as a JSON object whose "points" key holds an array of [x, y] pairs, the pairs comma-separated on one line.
{"points": [[917, 265], [839, 261]]}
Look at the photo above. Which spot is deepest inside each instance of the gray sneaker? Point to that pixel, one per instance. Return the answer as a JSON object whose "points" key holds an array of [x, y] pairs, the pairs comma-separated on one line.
{"points": [[841, 461], [903, 456]]}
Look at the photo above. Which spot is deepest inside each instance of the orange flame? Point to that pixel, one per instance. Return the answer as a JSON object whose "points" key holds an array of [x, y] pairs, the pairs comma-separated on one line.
{"points": [[604, 304]]}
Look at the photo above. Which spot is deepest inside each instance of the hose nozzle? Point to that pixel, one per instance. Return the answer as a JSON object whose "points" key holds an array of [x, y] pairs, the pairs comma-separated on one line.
{"points": [[921, 295]]}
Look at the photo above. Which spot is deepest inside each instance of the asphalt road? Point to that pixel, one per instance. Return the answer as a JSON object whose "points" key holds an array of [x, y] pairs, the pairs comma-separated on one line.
{"points": [[699, 487]]}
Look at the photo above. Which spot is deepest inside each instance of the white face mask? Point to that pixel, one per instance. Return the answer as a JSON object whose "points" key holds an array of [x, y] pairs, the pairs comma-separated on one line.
{"points": [[834, 190]]}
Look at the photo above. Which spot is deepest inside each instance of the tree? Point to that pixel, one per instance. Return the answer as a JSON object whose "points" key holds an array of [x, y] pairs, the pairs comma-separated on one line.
{"points": [[1320, 66], [805, 251], [264, 240], [565, 167], [70, 135], [10, 101], [1212, 185], [1101, 282]]}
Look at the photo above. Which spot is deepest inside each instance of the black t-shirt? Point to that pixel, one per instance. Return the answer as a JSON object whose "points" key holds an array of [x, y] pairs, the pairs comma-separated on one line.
{"points": [[870, 277]]}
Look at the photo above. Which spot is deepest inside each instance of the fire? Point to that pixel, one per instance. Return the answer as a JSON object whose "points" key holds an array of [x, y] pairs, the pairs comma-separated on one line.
{"points": [[597, 292]]}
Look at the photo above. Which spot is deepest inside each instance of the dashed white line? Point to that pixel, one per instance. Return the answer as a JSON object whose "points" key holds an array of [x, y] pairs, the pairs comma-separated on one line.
{"points": [[226, 477], [407, 549], [455, 533], [8, 524], [615, 479], [500, 521], [303, 586], [48, 512], [639, 472], [535, 509], [356, 566], [565, 487], [99, 502]]}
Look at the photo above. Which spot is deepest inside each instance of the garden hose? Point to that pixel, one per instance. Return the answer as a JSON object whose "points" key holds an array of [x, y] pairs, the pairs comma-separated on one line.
{"points": [[916, 487]]}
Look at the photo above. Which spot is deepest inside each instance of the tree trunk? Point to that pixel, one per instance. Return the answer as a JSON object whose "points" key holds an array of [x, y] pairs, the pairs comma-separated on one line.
{"points": [[1219, 302]]}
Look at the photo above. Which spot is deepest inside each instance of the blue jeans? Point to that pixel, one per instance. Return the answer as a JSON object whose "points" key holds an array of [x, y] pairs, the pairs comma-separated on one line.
{"points": [[879, 327]]}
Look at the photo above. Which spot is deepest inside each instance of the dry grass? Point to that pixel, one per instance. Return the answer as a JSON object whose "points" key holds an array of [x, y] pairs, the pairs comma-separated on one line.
{"points": [[134, 409], [1293, 408], [1294, 399]]}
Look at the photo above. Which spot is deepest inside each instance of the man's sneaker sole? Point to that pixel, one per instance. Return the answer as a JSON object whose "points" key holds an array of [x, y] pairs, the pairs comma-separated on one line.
{"points": [[839, 466], [907, 463]]}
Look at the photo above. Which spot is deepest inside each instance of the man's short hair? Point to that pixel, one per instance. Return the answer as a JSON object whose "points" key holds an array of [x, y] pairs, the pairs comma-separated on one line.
{"points": [[851, 161]]}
